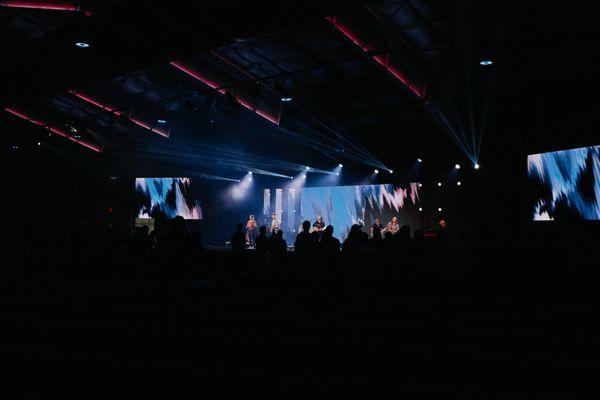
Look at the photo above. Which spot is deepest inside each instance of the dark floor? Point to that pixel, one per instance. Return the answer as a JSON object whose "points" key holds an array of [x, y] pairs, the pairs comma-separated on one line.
{"points": [[491, 331]]}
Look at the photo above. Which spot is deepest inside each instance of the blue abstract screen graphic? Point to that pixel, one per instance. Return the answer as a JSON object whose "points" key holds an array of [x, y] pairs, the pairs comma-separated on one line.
{"points": [[344, 206], [166, 198], [565, 185]]}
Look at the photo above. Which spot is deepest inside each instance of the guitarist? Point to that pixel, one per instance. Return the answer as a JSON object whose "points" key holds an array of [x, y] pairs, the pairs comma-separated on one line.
{"points": [[318, 225]]}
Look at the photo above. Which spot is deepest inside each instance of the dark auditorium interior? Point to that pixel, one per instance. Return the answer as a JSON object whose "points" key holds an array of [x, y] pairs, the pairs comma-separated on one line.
{"points": [[386, 196]]}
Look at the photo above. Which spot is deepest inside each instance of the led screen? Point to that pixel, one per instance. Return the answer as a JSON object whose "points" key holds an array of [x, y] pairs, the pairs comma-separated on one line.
{"points": [[166, 198], [565, 185], [343, 206]]}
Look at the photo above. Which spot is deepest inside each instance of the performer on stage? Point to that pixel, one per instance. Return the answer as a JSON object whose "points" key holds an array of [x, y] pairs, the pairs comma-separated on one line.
{"points": [[319, 225], [376, 225], [392, 226], [251, 230], [275, 223]]}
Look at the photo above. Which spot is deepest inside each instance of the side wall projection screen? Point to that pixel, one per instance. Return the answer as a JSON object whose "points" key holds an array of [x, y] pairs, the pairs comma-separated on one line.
{"points": [[343, 206], [166, 198], [565, 185]]}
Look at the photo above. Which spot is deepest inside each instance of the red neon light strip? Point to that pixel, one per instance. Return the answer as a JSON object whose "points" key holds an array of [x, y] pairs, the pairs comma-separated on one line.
{"points": [[194, 74], [54, 130], [214, 85], [381, 60], [117, 112], [42, 5]]}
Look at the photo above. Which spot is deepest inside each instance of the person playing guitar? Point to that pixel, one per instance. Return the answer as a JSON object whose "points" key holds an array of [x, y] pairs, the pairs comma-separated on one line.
{"points": [[318, 225]]}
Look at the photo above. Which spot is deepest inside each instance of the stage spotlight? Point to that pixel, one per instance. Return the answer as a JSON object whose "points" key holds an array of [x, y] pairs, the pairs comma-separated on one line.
{"points": [[485, 63], [420, 208], [286, 99], [391, 171], [249, 172], [291, 177], [457, 166], [304, 176], [250, 179], [307, 168], [419, 160], [476, 166], [337, 174], [39, 143], [161, 121], [420, 185], [458, 183], [82, 45], [440, 209], [340, 165], [439, 184], [376, 171]]}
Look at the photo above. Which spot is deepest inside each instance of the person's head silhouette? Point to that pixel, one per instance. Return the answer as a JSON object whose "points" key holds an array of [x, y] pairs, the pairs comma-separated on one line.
{"points": [[306, 226], [262, 230]]}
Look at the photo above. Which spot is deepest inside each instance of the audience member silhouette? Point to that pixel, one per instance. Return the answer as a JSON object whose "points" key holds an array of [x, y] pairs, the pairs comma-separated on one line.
{"points": [[330, 246], [304, 242], [262, 244], [278, 246], [238, 239]]}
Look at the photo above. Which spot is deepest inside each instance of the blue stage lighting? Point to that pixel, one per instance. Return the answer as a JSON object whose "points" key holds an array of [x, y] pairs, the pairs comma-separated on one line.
{"points": [[485, 63], [161, 121], [457, 166], [340, 165], [476, 166], [391, 171], [82, 45], [376, 171], [286, 99]]}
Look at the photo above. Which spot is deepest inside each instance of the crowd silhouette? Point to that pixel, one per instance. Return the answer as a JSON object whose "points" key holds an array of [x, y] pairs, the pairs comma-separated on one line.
{"points": [[100, 291]]}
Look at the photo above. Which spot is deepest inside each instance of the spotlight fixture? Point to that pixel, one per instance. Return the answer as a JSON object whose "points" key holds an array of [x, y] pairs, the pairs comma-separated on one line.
{"points": [[291, 177], [304, 176], [286, 99], [307, 168], [337, 174], [340, 165], [476, 166], [439, 184], [376, 171], [420, 185], [391, 171], [457, 166], [458, 183], [249, 172], [419, 160], [485, 63], [420, 208], [161, 121], [440, 209], [82, 45], [39, 143]]}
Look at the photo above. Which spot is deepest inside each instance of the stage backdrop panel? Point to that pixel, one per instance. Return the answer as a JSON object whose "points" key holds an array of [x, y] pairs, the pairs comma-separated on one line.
{"points": [[344, 206], [166, 198], [565, 185]]}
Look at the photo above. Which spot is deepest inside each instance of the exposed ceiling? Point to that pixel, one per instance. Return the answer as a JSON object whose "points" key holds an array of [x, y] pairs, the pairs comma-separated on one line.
{"points": [[369, 82]]}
